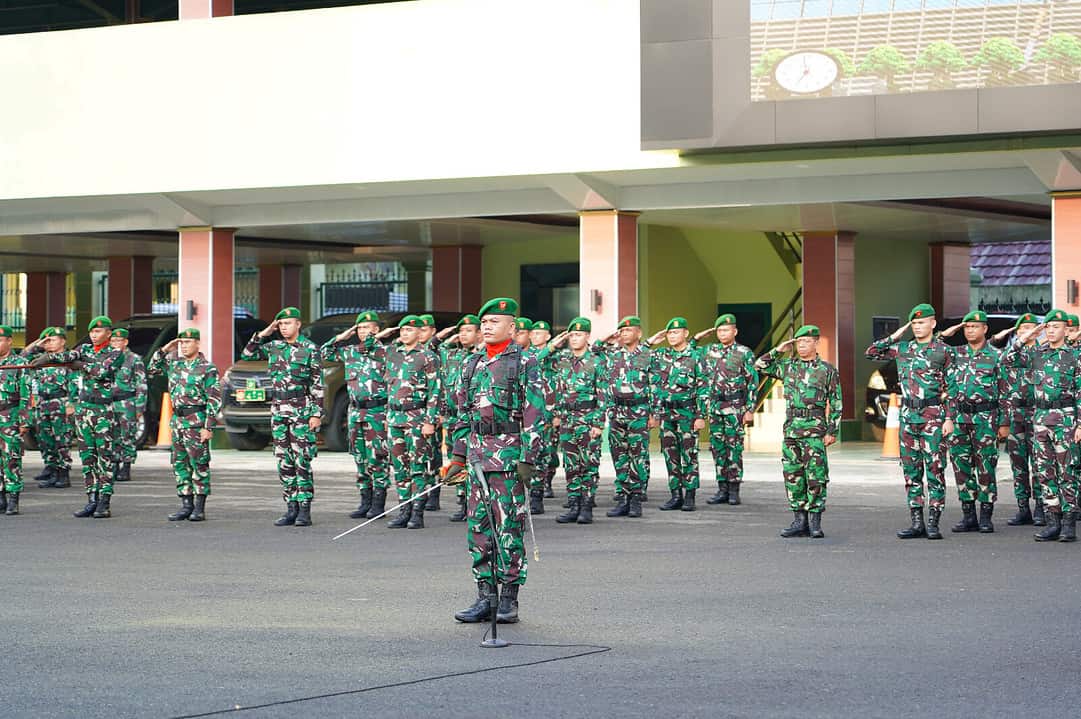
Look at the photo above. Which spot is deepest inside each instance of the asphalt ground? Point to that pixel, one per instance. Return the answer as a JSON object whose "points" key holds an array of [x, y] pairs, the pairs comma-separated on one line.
{"points": [[706, 614]]}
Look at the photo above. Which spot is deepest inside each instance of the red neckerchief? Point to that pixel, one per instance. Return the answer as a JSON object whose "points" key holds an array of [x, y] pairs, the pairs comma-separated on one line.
{"points": [[493, 350], [99, 348]]}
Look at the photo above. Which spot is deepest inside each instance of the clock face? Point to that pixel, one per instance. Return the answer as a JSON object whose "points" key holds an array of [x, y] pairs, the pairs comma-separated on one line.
{"points": [[806, 72]]}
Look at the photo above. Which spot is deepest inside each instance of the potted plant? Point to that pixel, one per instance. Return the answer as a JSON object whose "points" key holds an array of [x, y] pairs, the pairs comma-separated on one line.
{"points": [[941, 59], [885, 62], [1062, 53], [1001, 58]]}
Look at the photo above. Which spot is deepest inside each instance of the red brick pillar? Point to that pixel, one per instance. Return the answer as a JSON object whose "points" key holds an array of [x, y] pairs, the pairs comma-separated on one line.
{"points": [[279, 286], [456, 276], [829, 301], [131, 286], [951, 286], [608, 261], [1066, 251], [46, 302], [205, 290]]}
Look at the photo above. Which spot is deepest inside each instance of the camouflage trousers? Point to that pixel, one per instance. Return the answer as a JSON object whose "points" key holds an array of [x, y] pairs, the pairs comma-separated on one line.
{"points": [[368, 445], [806, 473], [1053, 458], [127, 429], [294, 448], [94, 428], [547, 457], [628, 441], [679, 445], [726, 444], [190, 457], [581, 457], [11, 456], [1019, 447], [508, 502], [409, 457], [434, 457], [922, 453], [54, 434], [973, 450]]}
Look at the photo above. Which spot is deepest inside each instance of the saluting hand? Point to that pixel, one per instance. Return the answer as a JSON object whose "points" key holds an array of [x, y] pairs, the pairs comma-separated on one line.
{"points": [[170, 346], [383, 334], [347, 333], [951, 331], [442, 334], [786, 344], [999, 336], [703, 333], [269, 329], [901, 331], [1024, 337]]}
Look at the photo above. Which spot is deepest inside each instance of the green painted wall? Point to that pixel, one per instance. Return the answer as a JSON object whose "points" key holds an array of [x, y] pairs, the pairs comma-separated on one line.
{"points": [[502, 259], [673, 280]]}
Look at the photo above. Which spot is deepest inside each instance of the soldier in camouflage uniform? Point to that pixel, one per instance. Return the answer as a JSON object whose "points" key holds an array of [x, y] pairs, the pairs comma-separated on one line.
{"points": [[295, 369], [433, 341], [812, 391], [129, 403], [501, 396], [14, 424], [195, 393], [1056, 383], [522, 327], [976, 412], [581, 388], [679, 409], [98, 365], [53, 391], [921, 370], [629, 403], [731, 383], [412, 410], [455, 353], [365, 362], [548, 461]]}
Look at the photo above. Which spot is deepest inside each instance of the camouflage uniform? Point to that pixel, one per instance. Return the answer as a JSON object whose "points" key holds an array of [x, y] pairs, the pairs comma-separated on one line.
{"points": [[434, 451], [581, 388], [731, 383], [14, 415], [678, 398], [548, 457], [413, 383], [454, 358], [1019, 442], [628, 408], [196, 395], [54, 389], [129, 402]]}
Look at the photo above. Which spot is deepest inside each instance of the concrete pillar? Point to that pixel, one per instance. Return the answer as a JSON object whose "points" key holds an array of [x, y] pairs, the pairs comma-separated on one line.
{"points": [[84, 300], [203, 9], [608, 260], [829, 301], [951, 286], [416, 273], [205, 289], [1066, 251], [279, 286], [46, 302], [456, 278], [131, 286]]}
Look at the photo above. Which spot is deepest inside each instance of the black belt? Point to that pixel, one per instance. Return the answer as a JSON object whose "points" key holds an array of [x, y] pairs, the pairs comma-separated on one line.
{"points": [[679, 404], [95, 400], [1063, 403], [973, 407], [188, 409], [43, 396], [576, 406], [123, 396], [492, 428], [730, 396], [287, 393], [407, 407], [371, 403], [922, 403], [630, 401], [809, 413]]}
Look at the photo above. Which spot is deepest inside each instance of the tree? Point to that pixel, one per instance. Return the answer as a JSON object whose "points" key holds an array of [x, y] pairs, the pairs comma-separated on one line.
{"points": [[941, 59], [1001, 57], [848, 68], [886, 62], [1062, 53], [768, 61]]}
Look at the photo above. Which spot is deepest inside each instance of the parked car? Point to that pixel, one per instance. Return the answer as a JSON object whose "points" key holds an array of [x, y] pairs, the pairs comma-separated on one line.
{"points": [[248, 422], [883, 381]]}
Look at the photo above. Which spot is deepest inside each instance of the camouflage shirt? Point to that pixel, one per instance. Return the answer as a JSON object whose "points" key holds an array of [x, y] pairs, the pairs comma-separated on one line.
{"points": [[53, 388], [97, 374], [14, 393], [976, 384], [194, 388], [412, 378], [365, 367], [921, 371], [581, 388], [630, 390], [296, 375], [731, 379], [1018, 387], [453, 361], [1056, 381], [130, 382], [812, 393], [679, 383]]}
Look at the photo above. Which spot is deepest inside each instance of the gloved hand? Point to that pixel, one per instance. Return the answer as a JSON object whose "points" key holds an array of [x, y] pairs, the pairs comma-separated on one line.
{"points": [[455, 473], [526, 472]]}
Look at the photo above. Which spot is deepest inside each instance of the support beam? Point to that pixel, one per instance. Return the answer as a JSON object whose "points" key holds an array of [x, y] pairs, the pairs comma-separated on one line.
{"points": [[131, 286], [206, 267], [951, 285], [456, 277], [46, 302], [608, 258], [829, 301], [279, 286]]}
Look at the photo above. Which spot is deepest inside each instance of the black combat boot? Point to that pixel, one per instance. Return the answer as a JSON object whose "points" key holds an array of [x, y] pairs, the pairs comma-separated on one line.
{"points": [[102, 511], [198, 513], [618, 498], [304, 514], [1069, 525], [536, 501], [1053, 530], [507, 613], [365, 504], [379, 503], [585, 516], [459, 516], [1039, 515], [125, 472], [46, 478], [13, 504], [934, 514], [432, 505], [481, 611], [91, 505], [116, 472], [721, 497], [968, 522], [548, 492], [402, 520], [623, 509], [798, 528], [187, 504], [634, 505], [290, 516], [986, 510], [688, 500], [815, 522], [1023, 516], [416, 516], [676, 502], [62, 479], [733, 493], [571, 515], [918, 529], [567, 502], [4, 501]]}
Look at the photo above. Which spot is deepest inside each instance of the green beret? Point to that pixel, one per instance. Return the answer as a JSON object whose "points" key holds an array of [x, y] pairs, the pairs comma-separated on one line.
{"points": [[921, 312], [580, 324], [728, 319], [631, 321], [189, 334], [1027, 318], [808, 331], [543, 325], [676, 323], [368, 316], [523, 323], [1071, 320], [499, 306], [469, 320], [121, 332], [410, 321], [288, 313], [1056, 316], [100, 321], [427, 321], [976, 316], [52, 332], [6, 331]]}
